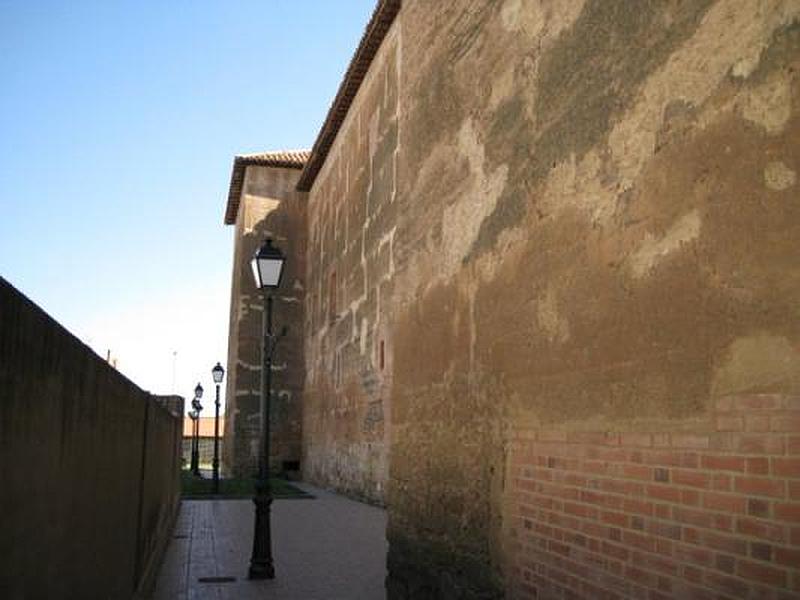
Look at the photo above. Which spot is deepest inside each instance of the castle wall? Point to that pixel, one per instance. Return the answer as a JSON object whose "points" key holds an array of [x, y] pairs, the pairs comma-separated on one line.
{"points": [[553, 285], [269, 207], [352, 220], [596, 235]]}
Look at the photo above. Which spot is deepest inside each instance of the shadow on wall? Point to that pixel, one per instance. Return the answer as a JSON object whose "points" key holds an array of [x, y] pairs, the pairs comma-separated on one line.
{"points": [[91, 465], [260, 217]]}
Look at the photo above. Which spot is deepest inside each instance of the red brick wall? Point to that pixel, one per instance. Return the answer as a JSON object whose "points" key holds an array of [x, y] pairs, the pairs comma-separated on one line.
{"points": [[705, 515]]}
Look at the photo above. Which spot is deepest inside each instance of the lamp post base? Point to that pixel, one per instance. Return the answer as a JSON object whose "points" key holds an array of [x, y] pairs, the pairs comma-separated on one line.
{"points": [[261, 572], [261, 566]]}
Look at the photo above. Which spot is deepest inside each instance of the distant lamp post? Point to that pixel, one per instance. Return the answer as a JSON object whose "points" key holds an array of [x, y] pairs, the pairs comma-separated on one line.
{"points": [[198, 408], [267, 266], [193, 415], [217, 373]]}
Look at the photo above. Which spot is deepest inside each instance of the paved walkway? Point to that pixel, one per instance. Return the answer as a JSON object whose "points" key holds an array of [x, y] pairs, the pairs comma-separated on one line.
{"points": [[328, 548]]}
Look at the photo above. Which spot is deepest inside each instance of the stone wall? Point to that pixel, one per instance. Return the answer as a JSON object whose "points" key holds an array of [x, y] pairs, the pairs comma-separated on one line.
{"points": [[91, 466], [552, 268], [352, 217], [597, 224], [268, 207]]}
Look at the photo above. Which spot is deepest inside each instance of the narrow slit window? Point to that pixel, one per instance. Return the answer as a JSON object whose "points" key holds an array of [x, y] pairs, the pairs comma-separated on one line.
{"points": [[332, 297]]}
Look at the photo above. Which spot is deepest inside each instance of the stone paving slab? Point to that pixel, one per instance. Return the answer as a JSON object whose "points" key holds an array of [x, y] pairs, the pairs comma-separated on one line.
{"points": [[329, 547]]}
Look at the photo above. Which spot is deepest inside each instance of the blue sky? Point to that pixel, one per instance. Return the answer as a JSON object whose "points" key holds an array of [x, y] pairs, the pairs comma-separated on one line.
{"points": [[118, 125]]}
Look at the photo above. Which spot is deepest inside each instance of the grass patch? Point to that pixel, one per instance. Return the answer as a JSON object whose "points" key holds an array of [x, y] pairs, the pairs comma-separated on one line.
{"points": [[197, 488]]}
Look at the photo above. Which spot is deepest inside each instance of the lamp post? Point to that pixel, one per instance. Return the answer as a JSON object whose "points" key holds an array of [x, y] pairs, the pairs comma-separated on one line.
{"points": [[193, 416], [198, 393], [267, 269], [217, 373]]}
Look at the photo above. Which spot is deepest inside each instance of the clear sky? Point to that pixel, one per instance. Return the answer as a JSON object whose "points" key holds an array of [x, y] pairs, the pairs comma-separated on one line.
{"points": [[118, 126]]}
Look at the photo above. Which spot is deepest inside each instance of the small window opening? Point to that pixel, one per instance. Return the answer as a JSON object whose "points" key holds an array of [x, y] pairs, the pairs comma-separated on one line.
{"points": [[332, 297]]}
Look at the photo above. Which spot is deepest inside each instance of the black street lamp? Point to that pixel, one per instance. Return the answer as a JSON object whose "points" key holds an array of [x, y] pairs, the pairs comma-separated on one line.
{"points": [[267, 269], [198, 408], [217, 373], [193, 415]]}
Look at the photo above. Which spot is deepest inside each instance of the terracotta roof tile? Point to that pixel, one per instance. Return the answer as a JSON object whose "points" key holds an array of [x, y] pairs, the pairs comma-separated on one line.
{"points": [[378, 26], [294, 159], [287, 159]]}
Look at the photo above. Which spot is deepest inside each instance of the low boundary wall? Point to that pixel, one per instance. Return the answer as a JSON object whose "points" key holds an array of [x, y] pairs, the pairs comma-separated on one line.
{"points": [[91, 465]]}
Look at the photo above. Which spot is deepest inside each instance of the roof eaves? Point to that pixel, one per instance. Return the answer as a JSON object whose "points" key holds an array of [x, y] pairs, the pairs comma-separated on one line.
{"points": [[375, 32], [287, 159]]}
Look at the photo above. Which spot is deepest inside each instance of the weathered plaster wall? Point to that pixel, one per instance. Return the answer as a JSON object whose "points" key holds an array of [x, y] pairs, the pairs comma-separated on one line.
{"points": [[269, 207], [352, 221], [91, 466], [597, 214]]}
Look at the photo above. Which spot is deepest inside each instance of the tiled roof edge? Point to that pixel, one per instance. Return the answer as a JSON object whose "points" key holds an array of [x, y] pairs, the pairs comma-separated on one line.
{"points": [[378, 26], [288, 159]]}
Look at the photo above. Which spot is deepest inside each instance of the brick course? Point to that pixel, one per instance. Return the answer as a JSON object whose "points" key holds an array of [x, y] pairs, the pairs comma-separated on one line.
{"points": [[603, 515]]}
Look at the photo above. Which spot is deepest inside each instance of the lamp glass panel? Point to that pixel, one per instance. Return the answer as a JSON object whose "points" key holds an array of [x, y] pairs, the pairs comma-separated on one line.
{"points": [[256, 278], [270, 271]]}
